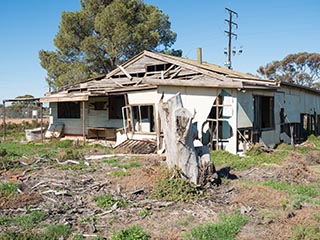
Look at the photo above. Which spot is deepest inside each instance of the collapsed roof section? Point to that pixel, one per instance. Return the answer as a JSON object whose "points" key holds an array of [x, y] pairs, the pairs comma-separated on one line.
{"points": [[149, 70]]}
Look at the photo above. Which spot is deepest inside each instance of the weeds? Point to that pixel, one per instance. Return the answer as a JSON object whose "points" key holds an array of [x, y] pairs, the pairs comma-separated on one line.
{"points": [[130, 233], [177, 189], [116, 163], [27, 222], [54, 232], [226, 229], [144, 213], [306, 233], [107, 201], [8, 189], [120, 174], [253, 158]]}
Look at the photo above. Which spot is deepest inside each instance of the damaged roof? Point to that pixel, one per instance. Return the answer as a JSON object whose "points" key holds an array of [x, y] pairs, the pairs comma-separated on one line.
{"points": [[148, 70]]}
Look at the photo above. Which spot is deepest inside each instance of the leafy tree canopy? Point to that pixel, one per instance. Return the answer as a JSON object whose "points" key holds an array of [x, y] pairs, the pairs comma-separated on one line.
{"points": [[300, 68], [102, 35]]}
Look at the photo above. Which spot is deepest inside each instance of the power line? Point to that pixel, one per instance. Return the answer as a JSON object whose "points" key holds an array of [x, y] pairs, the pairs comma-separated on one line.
{"points": [[231, 34]]}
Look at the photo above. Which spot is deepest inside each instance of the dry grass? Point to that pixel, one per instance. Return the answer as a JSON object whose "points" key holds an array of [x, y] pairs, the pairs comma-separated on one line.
{"points": [[259, 197]]}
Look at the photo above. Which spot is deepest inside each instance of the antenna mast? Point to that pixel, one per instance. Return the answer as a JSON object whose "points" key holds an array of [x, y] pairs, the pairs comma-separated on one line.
{"points": [[230, 34]]}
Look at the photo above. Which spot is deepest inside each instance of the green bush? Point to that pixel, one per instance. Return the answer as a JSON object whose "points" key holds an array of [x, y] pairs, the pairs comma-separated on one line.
{"points": [[130, 233], [176, 189], [226, 229]]}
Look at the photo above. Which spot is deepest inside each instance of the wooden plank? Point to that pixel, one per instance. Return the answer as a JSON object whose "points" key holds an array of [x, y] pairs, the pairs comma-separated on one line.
{"points": [[66, 98], [125, 72], [190, 83]]}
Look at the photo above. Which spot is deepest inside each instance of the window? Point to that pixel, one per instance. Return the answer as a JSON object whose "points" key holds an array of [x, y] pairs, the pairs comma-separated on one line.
{"points": [[115, 106], [68, 110], [143, 120]]}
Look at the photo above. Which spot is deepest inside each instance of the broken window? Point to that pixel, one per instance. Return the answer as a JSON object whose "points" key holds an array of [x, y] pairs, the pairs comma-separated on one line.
{"points": [[68, 109], [115, 106], [139, 118]]}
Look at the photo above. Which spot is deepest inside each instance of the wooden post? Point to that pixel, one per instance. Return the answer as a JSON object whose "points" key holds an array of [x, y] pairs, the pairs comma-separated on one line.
{"points": [[41, 121], [292, 137], [4, 121], [83, 122]]}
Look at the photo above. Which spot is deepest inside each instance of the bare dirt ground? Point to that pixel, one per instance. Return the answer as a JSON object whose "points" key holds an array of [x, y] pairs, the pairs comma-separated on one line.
{"points": [[66, 192]]}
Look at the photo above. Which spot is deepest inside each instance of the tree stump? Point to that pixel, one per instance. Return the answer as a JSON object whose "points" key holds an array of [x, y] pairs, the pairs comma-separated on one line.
{"points": [[179, 134]]}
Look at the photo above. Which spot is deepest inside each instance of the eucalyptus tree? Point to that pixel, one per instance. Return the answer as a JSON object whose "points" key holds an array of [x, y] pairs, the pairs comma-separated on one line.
{"points": [[299, 68]]}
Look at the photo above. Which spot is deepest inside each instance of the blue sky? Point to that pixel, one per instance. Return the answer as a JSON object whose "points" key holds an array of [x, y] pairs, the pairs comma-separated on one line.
{"points": [[268, 30]]}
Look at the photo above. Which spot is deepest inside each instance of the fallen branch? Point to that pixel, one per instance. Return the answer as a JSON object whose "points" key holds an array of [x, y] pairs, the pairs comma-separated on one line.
{"points": [[57, 193], [67, 161]]}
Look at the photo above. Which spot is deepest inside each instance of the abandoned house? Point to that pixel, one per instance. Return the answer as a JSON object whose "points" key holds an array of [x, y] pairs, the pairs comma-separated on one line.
{"points": [[231, 109]]}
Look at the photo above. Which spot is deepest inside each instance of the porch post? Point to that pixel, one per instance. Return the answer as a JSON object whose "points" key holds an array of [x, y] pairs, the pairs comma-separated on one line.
{"points": [[83, 122], [4, 121]]}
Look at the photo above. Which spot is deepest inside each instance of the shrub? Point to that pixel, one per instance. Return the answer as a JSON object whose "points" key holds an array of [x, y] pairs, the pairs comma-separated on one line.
{"points": [[176, 189]]}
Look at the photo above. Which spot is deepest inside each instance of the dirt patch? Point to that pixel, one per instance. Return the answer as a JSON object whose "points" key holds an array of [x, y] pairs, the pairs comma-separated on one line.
{"points": [[20, 200], [259, 197], [313, 157], [141, 178], [295, 170], [282, 228]]}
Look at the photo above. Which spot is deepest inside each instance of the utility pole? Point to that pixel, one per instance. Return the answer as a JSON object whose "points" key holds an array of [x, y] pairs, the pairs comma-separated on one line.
{"points": [[230, 35]]}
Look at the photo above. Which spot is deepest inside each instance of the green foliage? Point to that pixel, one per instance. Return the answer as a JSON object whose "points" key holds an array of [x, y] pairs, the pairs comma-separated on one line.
{"points": [[306, 233], [107, 201], [28, 221], [53, 232], [300, 68], [8, 189], [313, 139], [102, 35], [64, 143], [56, 232], [116, 163], [144, 213], [131, 233], [299, 194], [255, 157], [176, 189], [311, 190], [226, 229], [120, 174]]}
